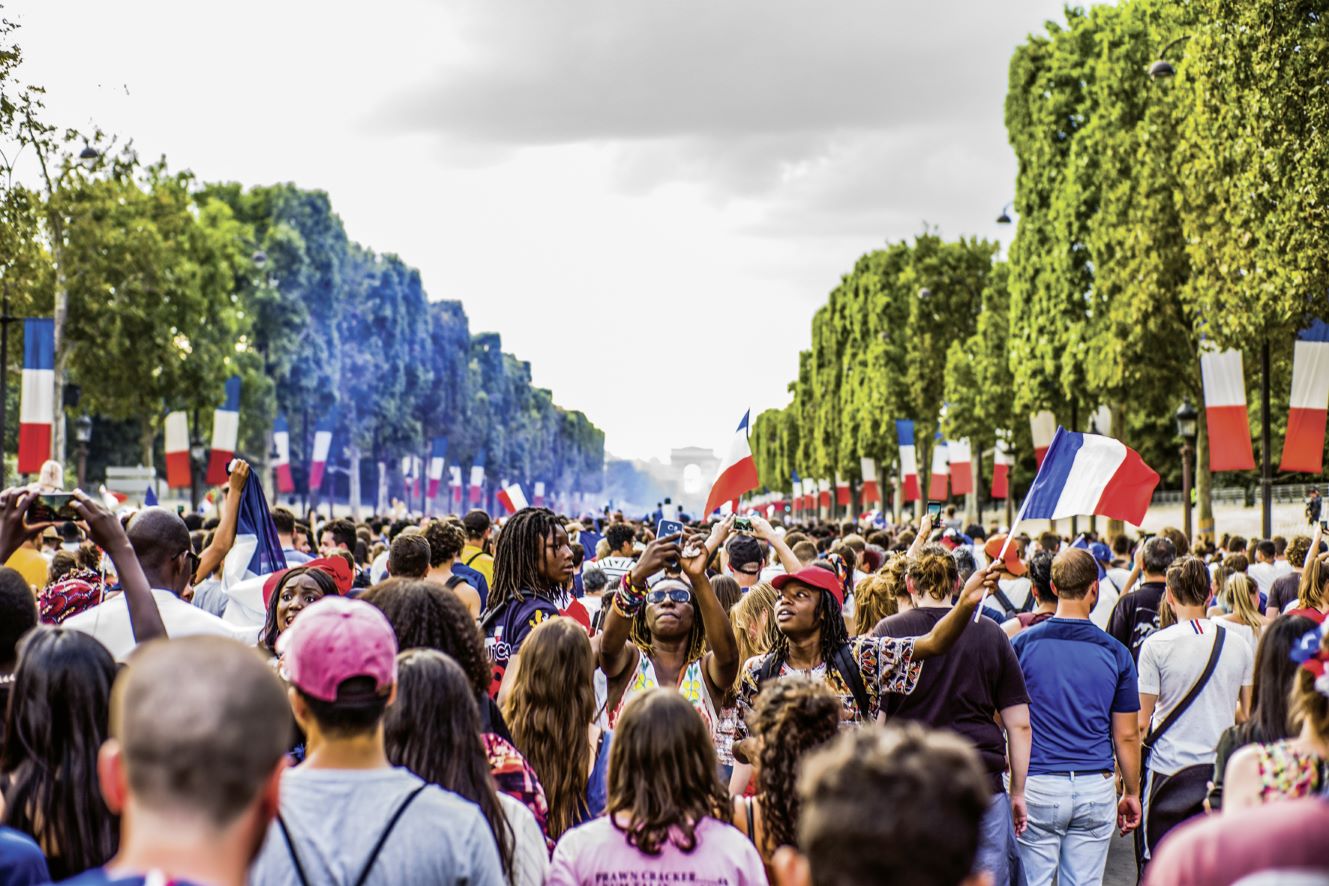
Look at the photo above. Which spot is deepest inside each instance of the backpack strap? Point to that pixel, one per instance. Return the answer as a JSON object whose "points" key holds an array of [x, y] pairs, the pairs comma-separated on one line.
{"points": [[768, 668], [290, 847], [453, 581], [1008, 608], [383, 837], [1155, 735], [471, 559], [843, 661]]}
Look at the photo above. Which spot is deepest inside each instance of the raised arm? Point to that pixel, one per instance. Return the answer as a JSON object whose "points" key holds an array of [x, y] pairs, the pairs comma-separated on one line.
{"points": [[767, 533], [224, 538], [721, 662], [622, 603], [924, 530], [145, 620], [944, 634]]}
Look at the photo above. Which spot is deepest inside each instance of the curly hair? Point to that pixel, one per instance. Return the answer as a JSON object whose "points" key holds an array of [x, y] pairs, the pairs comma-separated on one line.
{"points": [[446, 539], [426, 615], [934, 572], [663, 778], [517, 557], [790, 717], [551, 707]]}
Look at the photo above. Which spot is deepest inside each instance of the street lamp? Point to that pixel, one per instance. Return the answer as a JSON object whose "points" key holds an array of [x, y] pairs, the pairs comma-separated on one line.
{"points": [[83, 436], [88, 157], [197, 452], [1005, 217], [1162, 67], [1187, 428]]}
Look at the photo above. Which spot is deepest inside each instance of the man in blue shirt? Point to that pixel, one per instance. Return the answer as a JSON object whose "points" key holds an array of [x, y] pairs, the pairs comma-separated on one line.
{"points": [[1082, 707]]}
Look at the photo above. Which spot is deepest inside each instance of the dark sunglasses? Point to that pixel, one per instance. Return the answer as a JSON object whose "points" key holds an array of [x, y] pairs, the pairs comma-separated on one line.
{"points": [[678, 595]]}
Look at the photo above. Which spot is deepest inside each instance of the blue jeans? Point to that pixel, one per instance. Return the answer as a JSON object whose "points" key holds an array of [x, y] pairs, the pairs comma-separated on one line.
{"points": [[996, 842], [1071, 817]]}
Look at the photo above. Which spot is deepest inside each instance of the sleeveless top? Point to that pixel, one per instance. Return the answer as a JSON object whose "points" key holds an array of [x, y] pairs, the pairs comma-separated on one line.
{"points": [[691, 684], [1286, 773]]}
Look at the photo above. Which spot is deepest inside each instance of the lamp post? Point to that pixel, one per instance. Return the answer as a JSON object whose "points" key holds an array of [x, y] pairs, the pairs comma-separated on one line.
{"points": [[1005, 217], [1187, 420], [83, 436], [1163, 67], [197, 453]]}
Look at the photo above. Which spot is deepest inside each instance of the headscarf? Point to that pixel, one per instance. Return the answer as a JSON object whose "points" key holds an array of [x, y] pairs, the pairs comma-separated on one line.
{"points": [[76, 591]]}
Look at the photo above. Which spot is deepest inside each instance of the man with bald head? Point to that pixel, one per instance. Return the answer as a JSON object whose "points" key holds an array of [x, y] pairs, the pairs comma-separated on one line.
{"points": [[161, 543], [194, 776]]}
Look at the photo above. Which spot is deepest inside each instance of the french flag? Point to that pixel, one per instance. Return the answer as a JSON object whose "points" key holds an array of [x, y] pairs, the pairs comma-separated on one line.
{"points": [[1225, 412], [36, 408], [1042, 425], [940, 470], [512, 498], [318, 461], [871, 491], [179, 472], [1001, 468], [1090, 474], [225, 432], [281, 441], [796, 490], [842, 496], [539, 493], [477, 483], [257, 549], [438, 455], [904, 432], [738, 470], [407, 465], [824, 493], [962, 469], [454, 483], [1303, 448]]}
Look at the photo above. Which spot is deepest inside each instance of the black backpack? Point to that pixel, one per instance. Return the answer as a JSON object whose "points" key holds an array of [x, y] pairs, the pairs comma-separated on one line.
{"points": [[843, 662]]}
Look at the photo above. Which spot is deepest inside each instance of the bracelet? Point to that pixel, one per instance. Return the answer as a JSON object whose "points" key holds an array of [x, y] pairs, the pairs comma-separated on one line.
{"points": [[629, 598]]}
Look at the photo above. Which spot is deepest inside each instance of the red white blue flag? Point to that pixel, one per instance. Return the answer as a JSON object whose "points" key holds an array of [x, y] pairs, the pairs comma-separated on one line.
{"points": [[1225, 412], [477, 483], [843, 494], [738, 470], [36, 408], [940, 470], [1001, 467], [539, 493], [438, 455], [512, 498], [1090, 474], [871, 490], [225, 431], [318, 460], [179, 471], [1303, 448], [962, 468], [1042, 425], [904, 432], [281, 465]]}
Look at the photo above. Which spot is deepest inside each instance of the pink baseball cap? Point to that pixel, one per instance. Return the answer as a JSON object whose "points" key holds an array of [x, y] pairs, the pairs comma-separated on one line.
{"points": [[334, 640]]}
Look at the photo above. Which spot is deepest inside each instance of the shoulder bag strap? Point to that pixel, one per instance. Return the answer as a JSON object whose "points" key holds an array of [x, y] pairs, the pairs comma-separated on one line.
{"points": [[383, 837], [290, 847], [844, 663], [471, 559], [768, 668], [453, 581], [1006, 605], [1155, 734]]}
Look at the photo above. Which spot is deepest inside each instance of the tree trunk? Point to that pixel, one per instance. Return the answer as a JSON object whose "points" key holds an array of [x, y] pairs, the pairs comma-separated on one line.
{"points": [[1204, 481], [973, 497], [1116, 527], [147, 435], [60, 314]]}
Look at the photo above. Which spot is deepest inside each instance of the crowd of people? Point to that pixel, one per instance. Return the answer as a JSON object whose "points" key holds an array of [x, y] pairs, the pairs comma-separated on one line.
{"points": [[596, 699]]}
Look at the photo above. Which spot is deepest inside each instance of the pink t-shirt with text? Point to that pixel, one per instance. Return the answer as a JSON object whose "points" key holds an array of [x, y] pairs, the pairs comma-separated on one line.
{"points": [[598, 853]]}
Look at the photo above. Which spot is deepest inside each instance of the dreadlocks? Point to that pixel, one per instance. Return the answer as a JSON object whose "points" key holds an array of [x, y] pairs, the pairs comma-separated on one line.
{"points": [[640, 634], [833, 632], [517, 557]]}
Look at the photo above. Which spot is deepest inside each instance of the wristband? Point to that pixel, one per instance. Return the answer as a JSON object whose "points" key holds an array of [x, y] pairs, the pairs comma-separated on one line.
{"points": [[629, 598]]}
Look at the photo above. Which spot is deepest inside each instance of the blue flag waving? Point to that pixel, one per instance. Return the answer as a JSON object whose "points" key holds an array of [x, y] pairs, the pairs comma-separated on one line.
{"points": [[257, 549]]}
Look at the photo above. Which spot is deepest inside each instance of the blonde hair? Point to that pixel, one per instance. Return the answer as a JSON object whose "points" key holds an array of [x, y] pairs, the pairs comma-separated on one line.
{"points": [[874, 599], [1314, 578], [1236, 596], [754, 636]]}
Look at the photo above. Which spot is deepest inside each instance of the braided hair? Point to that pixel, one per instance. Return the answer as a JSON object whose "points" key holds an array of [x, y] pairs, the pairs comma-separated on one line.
{"points": [[831, 620], [640, 634], [517, 558]]}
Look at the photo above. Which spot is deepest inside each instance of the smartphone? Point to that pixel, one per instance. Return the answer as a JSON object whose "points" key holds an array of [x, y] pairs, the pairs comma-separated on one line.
{"points": [[934, 508], [668, 527], [742, 524], [51, 507]]}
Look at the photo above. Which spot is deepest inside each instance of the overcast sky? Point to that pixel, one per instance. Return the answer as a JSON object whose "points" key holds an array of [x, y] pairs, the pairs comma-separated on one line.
{"points": [[643, 198]]}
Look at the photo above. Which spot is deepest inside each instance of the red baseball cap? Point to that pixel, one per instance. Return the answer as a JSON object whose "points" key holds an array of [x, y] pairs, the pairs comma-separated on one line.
{"points": [[813, 577], [334, 640], [337, 567]]}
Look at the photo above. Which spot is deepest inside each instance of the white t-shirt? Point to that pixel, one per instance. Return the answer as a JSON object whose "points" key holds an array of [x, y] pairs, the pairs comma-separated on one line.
{"points": [[109, 623], [1171, 660], [1017, 590], [1265, 574], [1109, 589], [614, 569], [530, 861]]}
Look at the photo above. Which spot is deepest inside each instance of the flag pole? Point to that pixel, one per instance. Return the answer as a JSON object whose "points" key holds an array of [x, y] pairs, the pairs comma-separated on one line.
{"points": [[978, 611]]}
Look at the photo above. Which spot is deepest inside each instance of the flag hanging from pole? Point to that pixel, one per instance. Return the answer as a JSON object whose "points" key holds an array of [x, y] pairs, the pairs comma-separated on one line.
{"points": [[454, 483], [281, 442], [904, 432], [1225, 413], [940, 470], [1042, 425], [842, 492], [1303, 447], [318, 461], [437, 457], [179, 471], [1001, 467], [738, 470], [962, 469], [225, 433], [824, 493], [477, 483], [539, 493], [512, 498], [871, 491], [36, 407]]}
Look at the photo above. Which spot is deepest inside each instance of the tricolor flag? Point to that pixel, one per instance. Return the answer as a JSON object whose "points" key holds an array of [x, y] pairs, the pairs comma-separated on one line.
{"points": [[438, 456], [225, 432], [257, 550], [454, 481], [1303, 448], [1042, 425], [539, 493], [1101, 420], [842, 492], [871, 491], [36, 406], [796, 490], [179, 472], [1090, 474], [407, 474], [318, 461], [512, 498], [477, 483], [150, 496], [281, 442], [940, 469], [1225, 412], [962, 468], [738, 470], [904, 432], [824, 493], [1001, 467]]}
